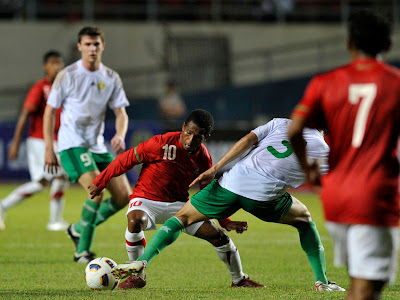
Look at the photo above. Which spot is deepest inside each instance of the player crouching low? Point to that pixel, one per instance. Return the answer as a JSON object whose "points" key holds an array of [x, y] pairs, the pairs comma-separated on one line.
{"points": [[170, 162]]}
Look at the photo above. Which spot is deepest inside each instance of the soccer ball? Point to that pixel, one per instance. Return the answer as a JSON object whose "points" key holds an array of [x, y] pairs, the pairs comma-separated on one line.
{"points": [[98, 274]]}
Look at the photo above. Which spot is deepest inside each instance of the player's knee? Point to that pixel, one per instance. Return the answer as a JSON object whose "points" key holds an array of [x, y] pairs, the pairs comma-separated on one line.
{"points": [[220, 239], [137, 222], [43, 182], [306, 215]]}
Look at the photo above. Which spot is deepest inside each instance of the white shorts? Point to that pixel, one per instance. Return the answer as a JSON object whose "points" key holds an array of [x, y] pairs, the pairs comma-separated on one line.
{"points": [[36, 150], [159, 212], [369, 252]]}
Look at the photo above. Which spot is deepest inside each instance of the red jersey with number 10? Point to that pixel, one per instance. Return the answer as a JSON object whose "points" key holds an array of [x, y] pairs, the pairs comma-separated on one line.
{"points": [[167, 168], [359, 105]]}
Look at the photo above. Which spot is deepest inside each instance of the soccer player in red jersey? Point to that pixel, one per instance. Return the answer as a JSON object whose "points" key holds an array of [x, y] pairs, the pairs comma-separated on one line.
{"points": [[359, 106], [170, 163], [33, 110]]}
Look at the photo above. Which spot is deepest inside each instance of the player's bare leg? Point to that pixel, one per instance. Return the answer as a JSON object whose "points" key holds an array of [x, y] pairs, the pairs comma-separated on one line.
{"points": [[227, 253], [362, 289], [300, 217], [135, 243], [165, 236]]}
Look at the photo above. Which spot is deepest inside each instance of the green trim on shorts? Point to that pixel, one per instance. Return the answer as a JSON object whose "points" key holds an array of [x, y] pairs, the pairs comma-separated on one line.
{"points": [[77, 161], [217, 202], [137, 155]]}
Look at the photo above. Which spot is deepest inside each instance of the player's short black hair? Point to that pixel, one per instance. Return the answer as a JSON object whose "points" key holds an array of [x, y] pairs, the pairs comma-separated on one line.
{"points": [[90, 31], [370, 32], [50, 53], [201, 118]]}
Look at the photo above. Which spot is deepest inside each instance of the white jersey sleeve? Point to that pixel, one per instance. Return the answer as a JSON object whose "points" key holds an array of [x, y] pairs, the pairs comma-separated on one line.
{"points": [[59, 89], [118, 97], [271, 167]]}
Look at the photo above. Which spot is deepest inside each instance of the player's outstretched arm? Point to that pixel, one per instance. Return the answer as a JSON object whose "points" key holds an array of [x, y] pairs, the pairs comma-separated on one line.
{"points": [[50, 160], [19, 129], [94, 191], [295, 134], [234, 152], [238, 226], [121, 127]]}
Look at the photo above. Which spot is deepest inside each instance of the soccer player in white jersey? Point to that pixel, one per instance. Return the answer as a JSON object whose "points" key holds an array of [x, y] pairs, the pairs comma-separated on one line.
{"points": [[257, 183], [84, 90]]}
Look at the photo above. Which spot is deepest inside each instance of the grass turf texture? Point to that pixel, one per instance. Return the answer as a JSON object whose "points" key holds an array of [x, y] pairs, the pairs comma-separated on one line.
{"points": [[38, 264]]}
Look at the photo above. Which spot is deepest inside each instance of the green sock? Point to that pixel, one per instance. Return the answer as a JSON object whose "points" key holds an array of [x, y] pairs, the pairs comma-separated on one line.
{"points": [[88, 216], [78, 227], [163, 237], [312, 246], [107, 208]]}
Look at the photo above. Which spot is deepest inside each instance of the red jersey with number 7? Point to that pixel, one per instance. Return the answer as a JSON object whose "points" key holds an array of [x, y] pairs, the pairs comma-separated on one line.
{"points": [[167, 168], [359, 106]]}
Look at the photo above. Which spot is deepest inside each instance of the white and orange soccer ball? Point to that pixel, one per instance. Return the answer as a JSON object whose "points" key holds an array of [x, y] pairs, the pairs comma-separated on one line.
{"points": [[98, 274]]}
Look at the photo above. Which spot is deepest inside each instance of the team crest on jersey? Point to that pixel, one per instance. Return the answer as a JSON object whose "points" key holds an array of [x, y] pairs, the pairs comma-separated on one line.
{"points": [[196, 171], [101, 85]]}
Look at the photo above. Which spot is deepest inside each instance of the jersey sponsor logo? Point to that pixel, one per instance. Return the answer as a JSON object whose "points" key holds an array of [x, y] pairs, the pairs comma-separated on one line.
{"points": [[101, 86]]}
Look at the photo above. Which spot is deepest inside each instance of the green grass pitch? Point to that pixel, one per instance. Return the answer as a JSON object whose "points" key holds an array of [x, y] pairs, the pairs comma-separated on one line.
{"points": [[37, 264]]}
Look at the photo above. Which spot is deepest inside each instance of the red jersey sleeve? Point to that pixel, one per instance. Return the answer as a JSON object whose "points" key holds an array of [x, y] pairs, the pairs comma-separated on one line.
{"points": [[310, 105], [144, 152], [149, 151], [120, 165], [33, 99]]}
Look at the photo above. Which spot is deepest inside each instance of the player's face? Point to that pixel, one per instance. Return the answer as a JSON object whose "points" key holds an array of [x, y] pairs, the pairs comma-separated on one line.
{"points": [[192, 136], [91, 49], [52, 66]]}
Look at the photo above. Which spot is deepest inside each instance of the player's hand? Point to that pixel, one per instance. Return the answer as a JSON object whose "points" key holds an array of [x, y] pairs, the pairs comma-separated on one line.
{"points": [[118, 144], [313, 175], [204, 178], [50, 162], [238, 226], [94, 191], [13, 152]]}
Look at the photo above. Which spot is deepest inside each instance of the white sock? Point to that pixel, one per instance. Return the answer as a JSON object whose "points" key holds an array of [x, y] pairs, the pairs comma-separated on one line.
{"points": [[57, 202], [21, 193], [229, 254], [135, 243]]}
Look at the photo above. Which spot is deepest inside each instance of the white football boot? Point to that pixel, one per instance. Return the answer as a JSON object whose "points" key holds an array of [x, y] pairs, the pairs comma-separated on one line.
{"points": [[123, 271], [330, 287]]}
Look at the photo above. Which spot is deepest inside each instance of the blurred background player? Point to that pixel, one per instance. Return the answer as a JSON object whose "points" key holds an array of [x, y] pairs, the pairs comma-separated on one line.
{"points": [[170, 163], [359, 105], [33, 110], [257, 183], [84, 90], [172, 107]]}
